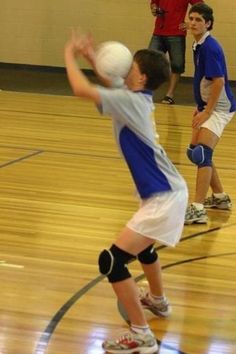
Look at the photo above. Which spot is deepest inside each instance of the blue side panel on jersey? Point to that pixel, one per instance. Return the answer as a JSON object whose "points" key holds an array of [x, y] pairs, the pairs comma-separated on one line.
{"points": [[148, 177]]}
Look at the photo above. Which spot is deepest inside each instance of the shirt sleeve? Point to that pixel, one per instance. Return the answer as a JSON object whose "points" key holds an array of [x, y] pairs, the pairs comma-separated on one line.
{"points": [[213, 66], [113, 101]]}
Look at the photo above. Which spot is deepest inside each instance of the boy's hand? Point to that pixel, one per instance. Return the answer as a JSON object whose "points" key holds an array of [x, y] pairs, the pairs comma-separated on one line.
{"points": [[153, 9], [199, 118], [81, 45], [184, 26]]}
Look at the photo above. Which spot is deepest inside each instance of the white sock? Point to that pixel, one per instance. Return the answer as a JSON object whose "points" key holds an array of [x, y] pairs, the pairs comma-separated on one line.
{"points": [[141, 329], [199, 206], [157, 299]]}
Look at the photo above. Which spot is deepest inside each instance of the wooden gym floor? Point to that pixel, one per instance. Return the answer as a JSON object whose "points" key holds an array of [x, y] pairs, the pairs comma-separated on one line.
{"points": [[64, 195]]}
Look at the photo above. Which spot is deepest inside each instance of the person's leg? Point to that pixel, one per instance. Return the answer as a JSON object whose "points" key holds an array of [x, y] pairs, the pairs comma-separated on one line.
{"points": [[205, 140], [140, 336], [205, 174], [214, 130], [154, 277], [127, 291], [153, 299], [157, 43], [218, 199], [174, 79], [215, 182], [207, 177], [176, 46]]}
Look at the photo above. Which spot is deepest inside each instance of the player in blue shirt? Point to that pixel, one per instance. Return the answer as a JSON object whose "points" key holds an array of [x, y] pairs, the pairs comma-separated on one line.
{"points": [[162, 190], [215, 109]]}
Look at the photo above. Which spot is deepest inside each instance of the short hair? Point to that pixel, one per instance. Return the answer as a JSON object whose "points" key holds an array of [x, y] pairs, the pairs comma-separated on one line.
{"points": [[205, 11], [154, 65]]}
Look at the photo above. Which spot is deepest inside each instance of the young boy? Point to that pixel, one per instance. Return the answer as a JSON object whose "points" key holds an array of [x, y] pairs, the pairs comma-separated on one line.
{"points": [[161, 188], [215, 109]]}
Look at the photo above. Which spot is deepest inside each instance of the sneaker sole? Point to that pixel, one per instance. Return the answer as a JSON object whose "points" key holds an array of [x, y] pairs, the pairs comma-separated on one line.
{"points": [[218, 207], [152, 350], [196, 221]]}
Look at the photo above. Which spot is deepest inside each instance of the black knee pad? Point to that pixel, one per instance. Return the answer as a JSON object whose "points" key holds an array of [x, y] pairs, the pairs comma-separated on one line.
{"points": [[148, 256], [113, 264]]}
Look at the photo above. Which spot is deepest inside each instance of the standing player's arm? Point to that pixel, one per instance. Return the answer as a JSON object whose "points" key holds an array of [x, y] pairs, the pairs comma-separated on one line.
{"points": [[216, 88], [200, 117], [80, 85]]}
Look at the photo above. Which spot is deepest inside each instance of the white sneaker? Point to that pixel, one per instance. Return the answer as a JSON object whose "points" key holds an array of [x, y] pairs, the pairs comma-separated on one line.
{"points": [[162, 309], [218, 203], [131, 342], [195, 216]]}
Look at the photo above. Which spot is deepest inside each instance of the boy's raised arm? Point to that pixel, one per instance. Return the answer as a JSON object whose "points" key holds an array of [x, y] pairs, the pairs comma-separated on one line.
{"points": [[81, 86]]}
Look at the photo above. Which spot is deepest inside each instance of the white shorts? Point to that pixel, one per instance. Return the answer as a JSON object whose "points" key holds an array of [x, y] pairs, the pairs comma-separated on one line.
{"points": [[217, 122], [161, 217]]}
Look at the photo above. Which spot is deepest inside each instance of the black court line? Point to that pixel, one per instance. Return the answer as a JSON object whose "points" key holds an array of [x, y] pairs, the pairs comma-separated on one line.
{"points": [[95, 156], [21, 158], [45, 337], [44, 340]]}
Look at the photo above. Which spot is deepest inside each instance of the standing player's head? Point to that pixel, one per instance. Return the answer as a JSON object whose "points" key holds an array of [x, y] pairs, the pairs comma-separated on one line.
{"points": [[205, 11], [153, 66]]}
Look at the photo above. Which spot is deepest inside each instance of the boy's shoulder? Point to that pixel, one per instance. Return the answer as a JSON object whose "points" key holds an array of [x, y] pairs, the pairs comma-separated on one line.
{"points": [[212, 42], [211, 45]]}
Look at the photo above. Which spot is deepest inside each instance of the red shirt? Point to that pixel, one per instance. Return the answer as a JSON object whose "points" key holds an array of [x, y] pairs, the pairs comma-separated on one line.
{"points": [[174, 14]]}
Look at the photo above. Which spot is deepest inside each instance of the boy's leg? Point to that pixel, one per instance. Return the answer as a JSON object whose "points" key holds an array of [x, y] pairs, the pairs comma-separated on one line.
{"points": [[174, 79], [196, 212], [127, 290], [204, 174], [140, 338], [153, 300], [176, 48], [127, 293], [215, 183], [154, 277], [219, 199]]}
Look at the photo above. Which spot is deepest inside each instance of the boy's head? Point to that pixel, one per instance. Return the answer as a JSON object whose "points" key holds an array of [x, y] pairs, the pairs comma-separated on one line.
{"points": [[154, 67], [205, 11]]}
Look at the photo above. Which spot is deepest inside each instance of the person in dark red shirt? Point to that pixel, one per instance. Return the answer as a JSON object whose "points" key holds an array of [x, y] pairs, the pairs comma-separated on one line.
{"points": [[169, 36]]}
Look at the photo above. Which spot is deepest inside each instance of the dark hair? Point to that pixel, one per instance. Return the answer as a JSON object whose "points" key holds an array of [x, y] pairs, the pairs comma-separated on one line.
{"points": [[154, 65], [205, 11]]}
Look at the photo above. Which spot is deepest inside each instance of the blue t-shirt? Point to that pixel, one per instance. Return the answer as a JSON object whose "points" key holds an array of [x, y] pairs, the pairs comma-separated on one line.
{"points": [[132, 115], [210, 63]]}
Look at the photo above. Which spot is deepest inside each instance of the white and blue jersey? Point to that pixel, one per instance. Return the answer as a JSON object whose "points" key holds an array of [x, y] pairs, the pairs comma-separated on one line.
{"points": [[134, 130], [209, 61]]}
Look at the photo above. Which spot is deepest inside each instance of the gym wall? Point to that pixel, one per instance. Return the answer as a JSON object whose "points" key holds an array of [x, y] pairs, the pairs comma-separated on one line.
{"points": [[34, 31]]}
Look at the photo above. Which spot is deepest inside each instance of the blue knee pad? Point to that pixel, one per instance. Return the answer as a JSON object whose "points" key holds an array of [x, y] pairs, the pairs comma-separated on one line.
{"points": [[113, 264], [189, 152], [148, 256], [202, 155]]}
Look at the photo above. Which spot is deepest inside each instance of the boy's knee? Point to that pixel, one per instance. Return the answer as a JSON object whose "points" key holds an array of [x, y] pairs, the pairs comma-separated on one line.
{"points": [[113, 264], [200, 155]]}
